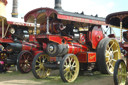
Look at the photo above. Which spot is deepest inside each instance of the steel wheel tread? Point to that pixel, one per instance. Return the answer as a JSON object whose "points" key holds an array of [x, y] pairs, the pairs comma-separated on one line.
{"points": [[109, 54], [24, 61], [69, 68], [38, 70], [120, 73]]}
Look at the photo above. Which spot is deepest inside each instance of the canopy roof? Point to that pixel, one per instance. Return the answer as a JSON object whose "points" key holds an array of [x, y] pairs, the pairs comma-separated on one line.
{"points": [[4, 1], [64, 15], [115, 19], [14, 22]]}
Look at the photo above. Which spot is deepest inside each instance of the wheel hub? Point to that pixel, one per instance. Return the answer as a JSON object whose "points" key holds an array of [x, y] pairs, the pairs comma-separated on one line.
{"points": [[41, 66], [111, 55], [26, 61], [71, 68], [51, 48]]}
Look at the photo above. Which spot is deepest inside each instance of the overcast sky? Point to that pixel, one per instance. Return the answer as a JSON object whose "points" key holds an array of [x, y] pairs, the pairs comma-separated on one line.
{"points": [[90, 7]]}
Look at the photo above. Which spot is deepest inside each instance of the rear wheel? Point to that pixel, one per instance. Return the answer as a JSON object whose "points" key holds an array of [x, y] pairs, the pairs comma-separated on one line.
{"points": [[38, 69], [24, 61], [108, 54], [69, 68], [120, 73]]}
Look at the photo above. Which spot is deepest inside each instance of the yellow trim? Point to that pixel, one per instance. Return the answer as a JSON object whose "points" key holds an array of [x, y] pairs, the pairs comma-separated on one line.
{"points": [[6, 30], [14, 13], [121, 31], [2, 28]]}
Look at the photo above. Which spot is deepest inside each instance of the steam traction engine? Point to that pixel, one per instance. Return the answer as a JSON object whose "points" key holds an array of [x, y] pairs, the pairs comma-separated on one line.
{"points": [[73, 42], [19, 45]]}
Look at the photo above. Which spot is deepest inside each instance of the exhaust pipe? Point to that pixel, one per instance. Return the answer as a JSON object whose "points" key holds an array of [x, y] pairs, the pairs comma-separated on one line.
{"points": [[58, 5], [15, 9]]}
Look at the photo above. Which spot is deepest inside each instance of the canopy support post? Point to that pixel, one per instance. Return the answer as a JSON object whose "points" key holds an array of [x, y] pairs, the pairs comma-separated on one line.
{"points": [[6, 30], [2, 28], [47, 25], [121, 31], [35, 23]]}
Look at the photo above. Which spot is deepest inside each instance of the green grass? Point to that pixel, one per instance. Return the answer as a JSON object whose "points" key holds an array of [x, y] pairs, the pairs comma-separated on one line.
{"points": [[53, 80]]}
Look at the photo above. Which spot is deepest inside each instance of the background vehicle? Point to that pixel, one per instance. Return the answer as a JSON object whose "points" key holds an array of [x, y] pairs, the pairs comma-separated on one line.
{"points": [[120, 20], [73, 42], [18, 42], [16, 38]]}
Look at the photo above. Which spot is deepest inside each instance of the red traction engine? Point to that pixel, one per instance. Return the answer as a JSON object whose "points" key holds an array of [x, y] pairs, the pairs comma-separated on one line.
{"points": [[19, 46], [74, 42]]}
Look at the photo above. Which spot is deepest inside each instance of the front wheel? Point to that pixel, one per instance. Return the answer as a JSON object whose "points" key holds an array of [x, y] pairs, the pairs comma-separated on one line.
{"points": [[69, 68], [120, 73], [38, 69]]}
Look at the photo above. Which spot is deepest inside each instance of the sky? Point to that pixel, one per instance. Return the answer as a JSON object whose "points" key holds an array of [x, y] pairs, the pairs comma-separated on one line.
{"points": [[89, 7]]}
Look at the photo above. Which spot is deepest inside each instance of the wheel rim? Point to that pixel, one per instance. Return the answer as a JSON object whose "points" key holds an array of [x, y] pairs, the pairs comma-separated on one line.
{"points": [[122, 74], [71, 68], [25, 62], [112, 55], [41, 71]]}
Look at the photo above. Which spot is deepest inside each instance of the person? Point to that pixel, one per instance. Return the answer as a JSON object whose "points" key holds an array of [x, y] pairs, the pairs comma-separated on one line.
{"points": [[2, 67]]}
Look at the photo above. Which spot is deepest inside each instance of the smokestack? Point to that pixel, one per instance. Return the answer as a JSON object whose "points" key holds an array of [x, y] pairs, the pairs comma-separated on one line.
{"points": [[14, 9], [58, 5]]}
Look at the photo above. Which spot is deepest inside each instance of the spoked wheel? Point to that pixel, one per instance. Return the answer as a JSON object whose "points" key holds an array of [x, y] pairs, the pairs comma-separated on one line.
{"points": [[69, 68], [109, 54], [3, 57], [24, 61], [38, 69], [120, 73]]}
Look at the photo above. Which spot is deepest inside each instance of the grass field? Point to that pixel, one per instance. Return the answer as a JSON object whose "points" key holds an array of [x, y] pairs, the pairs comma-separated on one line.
{"points": [[16, 78]]}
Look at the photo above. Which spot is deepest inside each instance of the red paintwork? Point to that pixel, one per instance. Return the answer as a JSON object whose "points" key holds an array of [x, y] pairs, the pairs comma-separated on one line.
{"points": [[36, 52], [95, 36], [71, 18], [29, 46], [91, 57], [82, 57], [87, 57], [32, 45], [76, 48], [55, 38], [52, 59], [21, 23], [6, 40], [32, 38]]}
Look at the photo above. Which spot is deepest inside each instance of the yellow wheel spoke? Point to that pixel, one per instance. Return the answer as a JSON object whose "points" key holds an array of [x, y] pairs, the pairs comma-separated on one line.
{"points": [[73, 63], [38, 70], [111, 45], [114, 60], [38, 61], [115, 51]]}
